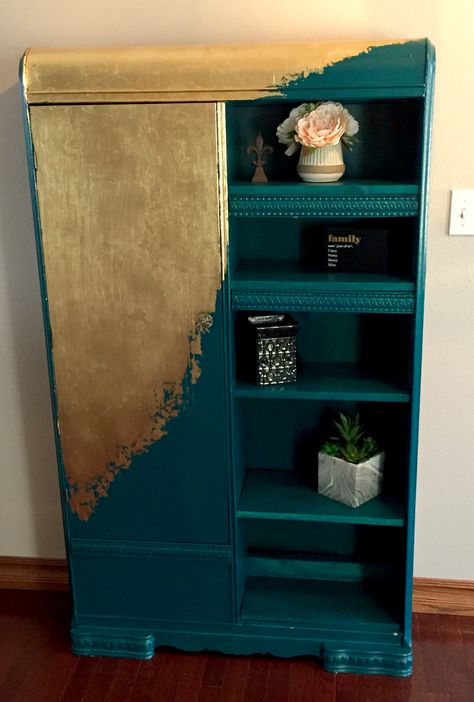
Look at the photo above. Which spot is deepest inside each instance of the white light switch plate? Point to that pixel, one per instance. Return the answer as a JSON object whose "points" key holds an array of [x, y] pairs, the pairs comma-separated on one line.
{"points": [[461, 222]]}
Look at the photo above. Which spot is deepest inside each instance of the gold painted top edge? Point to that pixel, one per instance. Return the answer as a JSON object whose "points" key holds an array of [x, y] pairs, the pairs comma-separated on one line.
{"points": [[23, 71], [210, 70]]}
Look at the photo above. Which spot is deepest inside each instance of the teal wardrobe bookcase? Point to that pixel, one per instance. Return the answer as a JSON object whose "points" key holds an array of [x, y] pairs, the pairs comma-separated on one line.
{"points": [[189, 492]]}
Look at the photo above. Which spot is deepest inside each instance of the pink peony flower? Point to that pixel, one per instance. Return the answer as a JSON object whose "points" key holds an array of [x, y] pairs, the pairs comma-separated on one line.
{"points": [[286, 130], [326, 124]]}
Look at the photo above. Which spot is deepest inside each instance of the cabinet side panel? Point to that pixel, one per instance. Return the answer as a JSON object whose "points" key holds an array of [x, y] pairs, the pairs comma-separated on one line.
{"points": [[128, 201]]}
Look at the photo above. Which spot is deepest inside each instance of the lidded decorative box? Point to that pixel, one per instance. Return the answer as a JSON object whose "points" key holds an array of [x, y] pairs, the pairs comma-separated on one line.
{"points": [[274, 336]]}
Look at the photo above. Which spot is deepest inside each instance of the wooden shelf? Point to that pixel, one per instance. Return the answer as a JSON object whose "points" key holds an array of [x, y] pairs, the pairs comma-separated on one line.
{"points": [[290, 286], [328, 381], [271, 275], [315, 566], [342, 188], [346, 198], [281, 495], [339, 604]]}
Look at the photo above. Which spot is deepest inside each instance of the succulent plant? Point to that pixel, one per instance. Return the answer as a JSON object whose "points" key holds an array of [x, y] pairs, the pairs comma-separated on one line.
{"points": [[351, 444]]}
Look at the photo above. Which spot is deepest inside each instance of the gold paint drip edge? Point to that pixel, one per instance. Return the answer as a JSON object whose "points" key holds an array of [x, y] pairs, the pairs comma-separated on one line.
{"points": [[84, 497]]}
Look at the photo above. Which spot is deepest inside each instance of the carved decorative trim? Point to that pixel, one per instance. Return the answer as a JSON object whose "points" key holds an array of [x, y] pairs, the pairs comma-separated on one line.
{"points": [[317, 206], [346, 660], [319, 301], [117, 644], [144, 549]]}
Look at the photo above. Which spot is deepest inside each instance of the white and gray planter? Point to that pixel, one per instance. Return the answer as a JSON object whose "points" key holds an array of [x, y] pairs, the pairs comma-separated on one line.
{"points": [[350, 483]]}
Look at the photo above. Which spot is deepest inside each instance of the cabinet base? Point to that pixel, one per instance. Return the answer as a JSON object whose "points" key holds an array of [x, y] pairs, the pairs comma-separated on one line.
{"points": [[355, 660], [116, 643], [336, 658]]}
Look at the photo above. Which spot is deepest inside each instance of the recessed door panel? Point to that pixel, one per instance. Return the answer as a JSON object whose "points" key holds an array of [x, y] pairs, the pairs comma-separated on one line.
{"points": [[129, 207]]}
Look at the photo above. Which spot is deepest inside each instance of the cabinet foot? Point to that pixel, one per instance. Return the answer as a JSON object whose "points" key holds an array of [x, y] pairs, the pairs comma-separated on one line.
{"points": [[355, 660], [105, 641]]}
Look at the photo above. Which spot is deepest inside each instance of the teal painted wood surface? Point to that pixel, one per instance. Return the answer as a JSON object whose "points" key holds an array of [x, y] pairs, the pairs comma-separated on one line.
{"points": [[283, 495], [142, 499], [311, 567], [378, 157], [294, 286], [358, 659], [336, 604], [298, 243], [161, 584], [425, 144], [328, 381], [289, 286], [188, 554], [295, 276], [347, 187], [287, 435], [287, 299], [402, 64], [269, 286], [349, 198], [116, 643], [328, 542], [385, 655]]}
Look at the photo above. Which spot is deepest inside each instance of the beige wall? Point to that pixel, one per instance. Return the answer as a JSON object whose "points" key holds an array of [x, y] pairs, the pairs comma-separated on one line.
{"points": [[30, 521]]}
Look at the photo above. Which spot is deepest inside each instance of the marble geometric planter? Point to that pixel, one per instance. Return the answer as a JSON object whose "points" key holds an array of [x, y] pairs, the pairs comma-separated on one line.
{"points": [[350, 483]]}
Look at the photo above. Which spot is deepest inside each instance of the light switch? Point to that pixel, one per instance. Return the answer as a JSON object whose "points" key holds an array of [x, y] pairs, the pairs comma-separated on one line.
{"points": [[461, 221]]}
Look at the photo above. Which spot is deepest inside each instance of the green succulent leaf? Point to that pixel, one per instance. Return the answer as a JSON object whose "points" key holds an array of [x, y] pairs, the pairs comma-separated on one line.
{"points": [[351, 443], [331, 449]]}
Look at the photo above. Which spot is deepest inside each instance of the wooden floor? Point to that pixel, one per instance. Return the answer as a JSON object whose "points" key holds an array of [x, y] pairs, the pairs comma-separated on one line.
{"points": [[36, 666]]}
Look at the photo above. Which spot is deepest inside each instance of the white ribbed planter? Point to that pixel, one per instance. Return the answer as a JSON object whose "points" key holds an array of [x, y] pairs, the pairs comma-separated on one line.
{"points": [[324, 164], [350, 483]]}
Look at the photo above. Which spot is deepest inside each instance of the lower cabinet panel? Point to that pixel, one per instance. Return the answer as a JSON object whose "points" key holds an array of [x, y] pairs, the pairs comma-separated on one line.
{"points": [[131, 597], [143, 581]]}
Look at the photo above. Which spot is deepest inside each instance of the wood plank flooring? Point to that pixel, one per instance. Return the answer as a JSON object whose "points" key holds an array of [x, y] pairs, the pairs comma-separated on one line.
{"points": [[36, 666]]}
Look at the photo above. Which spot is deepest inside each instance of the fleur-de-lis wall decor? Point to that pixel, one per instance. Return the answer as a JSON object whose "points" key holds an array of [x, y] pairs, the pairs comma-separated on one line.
{"points": [[259, 147]]}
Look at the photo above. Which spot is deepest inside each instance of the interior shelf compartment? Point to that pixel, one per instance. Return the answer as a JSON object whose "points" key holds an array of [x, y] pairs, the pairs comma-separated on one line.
{"points": [[285, 437], [339, 604], [390, 168], [322, 573], [350, 357], [289, 285], [282, 495], [347, 198], [328, 381]]}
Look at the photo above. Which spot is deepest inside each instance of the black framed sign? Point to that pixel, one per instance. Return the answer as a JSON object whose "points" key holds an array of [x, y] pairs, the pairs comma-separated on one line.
{"points": [[355, 250]]}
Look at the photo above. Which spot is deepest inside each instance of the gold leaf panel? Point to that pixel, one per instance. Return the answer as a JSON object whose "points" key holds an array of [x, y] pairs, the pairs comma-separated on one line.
{"points": [[129, 207]]}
